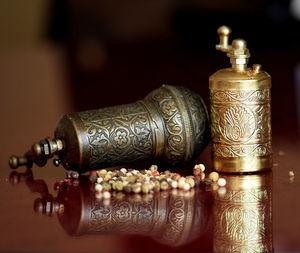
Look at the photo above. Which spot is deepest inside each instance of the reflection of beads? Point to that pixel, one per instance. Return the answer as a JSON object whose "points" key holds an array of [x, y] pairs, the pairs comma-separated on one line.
{"points": [[221, 182]]}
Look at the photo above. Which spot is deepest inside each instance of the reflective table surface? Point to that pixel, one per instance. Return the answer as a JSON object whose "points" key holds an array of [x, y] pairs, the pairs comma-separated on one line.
{"points": [[253, 213]]}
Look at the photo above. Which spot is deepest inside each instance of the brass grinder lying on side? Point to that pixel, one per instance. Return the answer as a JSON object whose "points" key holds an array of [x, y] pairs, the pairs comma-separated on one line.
{"points": [[170, 125]]}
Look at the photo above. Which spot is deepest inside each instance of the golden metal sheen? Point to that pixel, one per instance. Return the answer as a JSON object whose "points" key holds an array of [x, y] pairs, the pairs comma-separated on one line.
{"points": [[170, 125], [243, 215], [240, 112]]}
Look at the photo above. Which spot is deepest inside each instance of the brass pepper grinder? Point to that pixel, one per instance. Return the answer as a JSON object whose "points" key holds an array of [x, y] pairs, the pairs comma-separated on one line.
{"points": [[240, 112], [169, 125]]}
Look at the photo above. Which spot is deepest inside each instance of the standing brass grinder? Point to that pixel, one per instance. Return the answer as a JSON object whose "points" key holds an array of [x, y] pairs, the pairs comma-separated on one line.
{"points": [[170, 125], [240, 112]]}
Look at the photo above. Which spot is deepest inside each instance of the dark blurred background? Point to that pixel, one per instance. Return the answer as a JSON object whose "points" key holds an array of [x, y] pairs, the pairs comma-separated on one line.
{"points": [[118, 51], [115, 51], [58, 56], [123, 46]]}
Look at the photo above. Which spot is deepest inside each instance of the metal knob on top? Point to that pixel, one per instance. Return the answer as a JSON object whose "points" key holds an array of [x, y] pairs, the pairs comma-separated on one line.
{"points": [[237, 51], [224, 32]]}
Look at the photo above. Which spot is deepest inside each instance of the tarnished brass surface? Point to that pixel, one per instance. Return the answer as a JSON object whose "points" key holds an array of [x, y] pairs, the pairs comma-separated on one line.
{"points": [[243, 215], [170, 124], [240, 112]]}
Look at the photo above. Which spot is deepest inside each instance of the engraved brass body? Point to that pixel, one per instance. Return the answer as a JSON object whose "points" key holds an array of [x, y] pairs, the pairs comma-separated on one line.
{"points": [[240, 112], [170, 124], [243, 215]]}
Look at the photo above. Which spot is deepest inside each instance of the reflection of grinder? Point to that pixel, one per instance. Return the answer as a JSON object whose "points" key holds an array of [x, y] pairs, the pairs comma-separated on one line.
{"points": [[170, 219], [170, 124], [240, 112], [243, 215]]}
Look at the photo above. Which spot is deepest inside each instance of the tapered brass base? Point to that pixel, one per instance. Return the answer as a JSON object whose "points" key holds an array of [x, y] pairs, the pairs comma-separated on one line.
{"points": [[242, 164]]}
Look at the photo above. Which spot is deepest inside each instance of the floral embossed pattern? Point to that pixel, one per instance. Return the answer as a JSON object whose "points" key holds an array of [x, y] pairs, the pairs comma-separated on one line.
{"points": [[121, 216], [241, 123], [176, 148], [170, 124], [238, 123], [176, 220], [186, 122], [121, 137], [199, 119], [252, 96], [118, 134], [169, 107], [242, 221]]}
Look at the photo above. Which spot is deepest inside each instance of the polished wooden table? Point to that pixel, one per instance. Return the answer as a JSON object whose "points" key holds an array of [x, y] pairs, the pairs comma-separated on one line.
{"points": [[36, 92]]}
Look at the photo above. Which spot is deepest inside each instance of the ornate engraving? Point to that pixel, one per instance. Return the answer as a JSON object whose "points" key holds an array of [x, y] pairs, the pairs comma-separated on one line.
{"points": [[175, 149], [247, 196], [171, 218], [238, 123], [241, 124], [176, 220], [249, 96], [199, 119], [118, 134], [170, 124], [122, 216], [185, 119], [243, 218], [241, 150]]}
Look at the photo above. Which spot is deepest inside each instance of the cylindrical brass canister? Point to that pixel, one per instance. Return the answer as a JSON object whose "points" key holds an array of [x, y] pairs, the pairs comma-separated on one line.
{"points": [[243, 215], [170, 125], [240, 113]]}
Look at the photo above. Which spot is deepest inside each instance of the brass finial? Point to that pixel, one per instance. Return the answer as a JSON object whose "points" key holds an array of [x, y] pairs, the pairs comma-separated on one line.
{"points": [[16, 161], [224, 32], [239, 44], [39, 153], [237, 52]]}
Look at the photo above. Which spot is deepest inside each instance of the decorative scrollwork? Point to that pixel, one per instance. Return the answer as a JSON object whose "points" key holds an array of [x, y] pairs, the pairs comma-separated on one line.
{"points": [[243, 218], [117, 134], [131, 217], [182, 125], [249, 96], [241, 150], [199, 119], [174, 124], [241, 124], [176, 220], [170, 124], [238, 123]]}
